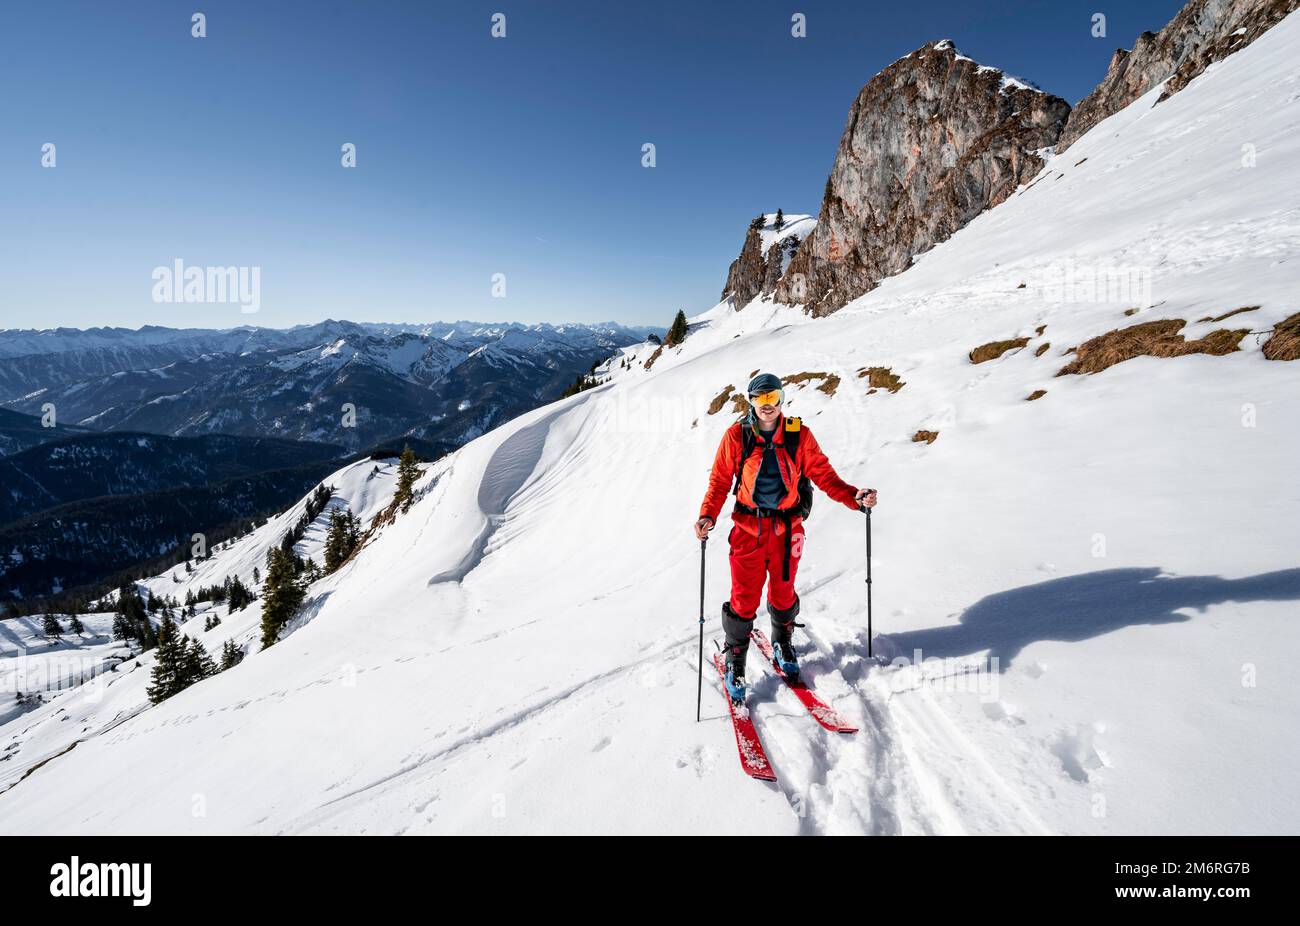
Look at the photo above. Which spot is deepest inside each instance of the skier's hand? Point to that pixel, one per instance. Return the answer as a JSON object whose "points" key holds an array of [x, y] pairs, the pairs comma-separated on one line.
{"points": [[866, 498], [702, 528]]}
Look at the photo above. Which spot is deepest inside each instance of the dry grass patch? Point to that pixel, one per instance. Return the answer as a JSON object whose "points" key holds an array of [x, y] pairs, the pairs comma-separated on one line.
{"points": [[995, 349], [1042, 348], [650, 361], [830, 382], [928, 437], [720, 400], [1284, 343], [1036, 394], [1039, 330], [1219, 318], [881, 378], [1131, 311], [739, 404], [1149, 339]]}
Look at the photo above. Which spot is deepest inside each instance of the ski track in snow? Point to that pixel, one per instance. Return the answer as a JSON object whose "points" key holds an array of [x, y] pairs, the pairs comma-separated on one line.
{"points": [[403, 777]]}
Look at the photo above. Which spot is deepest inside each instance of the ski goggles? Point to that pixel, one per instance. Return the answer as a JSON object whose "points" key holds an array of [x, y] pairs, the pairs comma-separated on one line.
{"points": [[768, 398]]}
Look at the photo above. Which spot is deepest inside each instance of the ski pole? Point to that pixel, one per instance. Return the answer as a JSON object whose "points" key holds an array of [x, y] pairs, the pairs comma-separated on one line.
{"points": [[699, 683], [869, 654]]}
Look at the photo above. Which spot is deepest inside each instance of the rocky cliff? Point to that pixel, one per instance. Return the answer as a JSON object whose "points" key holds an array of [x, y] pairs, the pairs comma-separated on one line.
{"points": [[1203, 32], [931, 141], [764, 256]]}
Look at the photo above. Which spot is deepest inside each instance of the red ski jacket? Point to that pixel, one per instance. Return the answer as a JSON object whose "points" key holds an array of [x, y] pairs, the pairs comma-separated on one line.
{"points": [[809, 461]]}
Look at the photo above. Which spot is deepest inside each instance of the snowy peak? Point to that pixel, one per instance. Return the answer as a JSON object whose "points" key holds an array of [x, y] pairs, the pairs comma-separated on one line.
{"points": [[770, 242], [930, 142], [947, 47], [1202, 32]]}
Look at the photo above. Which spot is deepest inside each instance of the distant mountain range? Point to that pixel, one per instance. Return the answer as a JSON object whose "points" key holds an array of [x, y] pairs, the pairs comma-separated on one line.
{"points": [[340, 382], [164, 432], [19, 431]]}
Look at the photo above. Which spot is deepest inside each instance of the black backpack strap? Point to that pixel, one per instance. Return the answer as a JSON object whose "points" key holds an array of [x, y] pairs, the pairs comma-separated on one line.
{"points": [[785, 558]]}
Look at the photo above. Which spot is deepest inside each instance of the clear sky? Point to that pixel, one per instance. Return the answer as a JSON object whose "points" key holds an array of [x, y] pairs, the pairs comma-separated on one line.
{"points": [[475, 156]]}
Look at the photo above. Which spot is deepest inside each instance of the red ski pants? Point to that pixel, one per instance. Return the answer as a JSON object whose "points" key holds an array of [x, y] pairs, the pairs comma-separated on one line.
{"points": [[757, 558]]}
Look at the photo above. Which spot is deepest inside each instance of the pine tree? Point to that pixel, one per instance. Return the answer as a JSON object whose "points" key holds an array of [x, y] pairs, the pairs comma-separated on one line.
{"points": [[353, 532], [239, 595], [196, 664], [166, 676], [407, 472], [334, 542], [231, 655], [129, 603], [281, 596], [51, 626], [677, 332], [146, 634], [342, 538], [780, 220], [75, 625], [122, 628]]}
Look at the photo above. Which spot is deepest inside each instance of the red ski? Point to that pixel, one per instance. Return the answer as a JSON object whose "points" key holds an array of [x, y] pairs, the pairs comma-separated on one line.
{"points": [[822, 712], [752, 757]]}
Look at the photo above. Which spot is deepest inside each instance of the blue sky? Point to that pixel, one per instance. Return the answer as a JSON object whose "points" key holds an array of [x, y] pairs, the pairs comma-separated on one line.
{"points": [[475, 156]]}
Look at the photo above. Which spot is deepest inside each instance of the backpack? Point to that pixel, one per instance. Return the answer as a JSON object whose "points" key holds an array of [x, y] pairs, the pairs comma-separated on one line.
{"points": [[749, 440]]}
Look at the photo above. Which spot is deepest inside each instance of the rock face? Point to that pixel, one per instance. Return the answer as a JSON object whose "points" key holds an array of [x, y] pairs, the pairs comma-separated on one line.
{"points": [[1203, 32], [931, 142], [764, 256]]}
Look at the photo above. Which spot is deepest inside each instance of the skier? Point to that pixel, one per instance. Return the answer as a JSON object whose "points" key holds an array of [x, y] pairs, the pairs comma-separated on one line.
{"points": [[770, 458]]}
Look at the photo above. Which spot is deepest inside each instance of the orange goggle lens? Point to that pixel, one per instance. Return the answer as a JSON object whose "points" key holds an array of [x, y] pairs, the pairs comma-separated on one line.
{"points": [[767, 398]]}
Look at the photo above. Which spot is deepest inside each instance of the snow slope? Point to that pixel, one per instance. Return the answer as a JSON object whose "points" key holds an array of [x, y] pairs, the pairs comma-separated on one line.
{"points": [[1102, 583], [115, 692]]}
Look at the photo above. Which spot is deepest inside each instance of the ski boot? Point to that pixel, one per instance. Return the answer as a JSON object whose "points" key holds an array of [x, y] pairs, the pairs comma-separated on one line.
{"points": [[783, 626], [737, 630]]}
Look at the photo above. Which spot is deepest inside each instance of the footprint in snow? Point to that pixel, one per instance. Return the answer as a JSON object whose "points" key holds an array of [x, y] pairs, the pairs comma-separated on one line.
{"points": [[1035, 670], [701, 759], [998, 710], [1078, 751]]}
